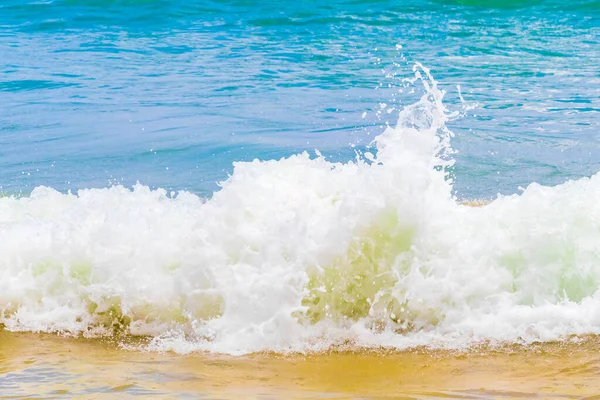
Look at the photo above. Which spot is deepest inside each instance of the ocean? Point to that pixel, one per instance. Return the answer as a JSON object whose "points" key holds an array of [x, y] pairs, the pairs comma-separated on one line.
{"points": [[283, 190]]}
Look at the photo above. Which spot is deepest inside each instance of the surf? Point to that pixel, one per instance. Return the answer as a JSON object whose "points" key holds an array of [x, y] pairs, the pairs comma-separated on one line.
{"points": [[302, 254]]}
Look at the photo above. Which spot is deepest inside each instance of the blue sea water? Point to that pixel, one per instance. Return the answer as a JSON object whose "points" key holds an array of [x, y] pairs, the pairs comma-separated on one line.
{"points": [[170, 92]]}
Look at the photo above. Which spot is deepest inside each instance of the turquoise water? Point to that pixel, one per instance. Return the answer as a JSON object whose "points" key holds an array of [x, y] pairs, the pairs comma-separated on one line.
{"points": [[169, 93]]}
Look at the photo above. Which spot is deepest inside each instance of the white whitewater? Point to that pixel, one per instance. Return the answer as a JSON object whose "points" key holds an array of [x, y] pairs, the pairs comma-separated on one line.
{"points": [[300, 253]]}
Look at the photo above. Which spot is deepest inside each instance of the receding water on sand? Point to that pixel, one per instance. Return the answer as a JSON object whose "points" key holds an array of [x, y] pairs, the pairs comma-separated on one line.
{"points": [[45, 366]]}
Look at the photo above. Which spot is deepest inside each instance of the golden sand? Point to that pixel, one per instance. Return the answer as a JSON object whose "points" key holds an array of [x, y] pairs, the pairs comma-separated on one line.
{"points": [[46, 366]]}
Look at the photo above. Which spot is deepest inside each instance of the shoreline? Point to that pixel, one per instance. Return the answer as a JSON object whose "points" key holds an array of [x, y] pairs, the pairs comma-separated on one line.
{"points": [[34, 364]]}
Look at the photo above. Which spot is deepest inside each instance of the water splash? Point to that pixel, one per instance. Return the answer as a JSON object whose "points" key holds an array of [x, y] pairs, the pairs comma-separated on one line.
{"points": [[302, 254]]}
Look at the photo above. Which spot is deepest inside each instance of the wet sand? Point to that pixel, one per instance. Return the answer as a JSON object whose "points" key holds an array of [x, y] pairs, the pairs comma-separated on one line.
{"points": [[47, 366]]}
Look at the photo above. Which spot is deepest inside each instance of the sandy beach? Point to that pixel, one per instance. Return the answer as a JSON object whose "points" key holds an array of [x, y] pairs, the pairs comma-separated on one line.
{"points": [[46, 366]]}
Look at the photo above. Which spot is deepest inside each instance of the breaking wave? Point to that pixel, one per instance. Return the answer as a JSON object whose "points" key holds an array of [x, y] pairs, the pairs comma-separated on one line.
{"points": [[300, 254]]}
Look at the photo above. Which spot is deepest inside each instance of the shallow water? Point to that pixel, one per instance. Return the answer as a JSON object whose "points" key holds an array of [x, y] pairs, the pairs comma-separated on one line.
{"points": [[43, 366]]}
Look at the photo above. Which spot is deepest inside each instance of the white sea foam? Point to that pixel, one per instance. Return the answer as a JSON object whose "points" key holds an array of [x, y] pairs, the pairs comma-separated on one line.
{"points": [[301, 253]]}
